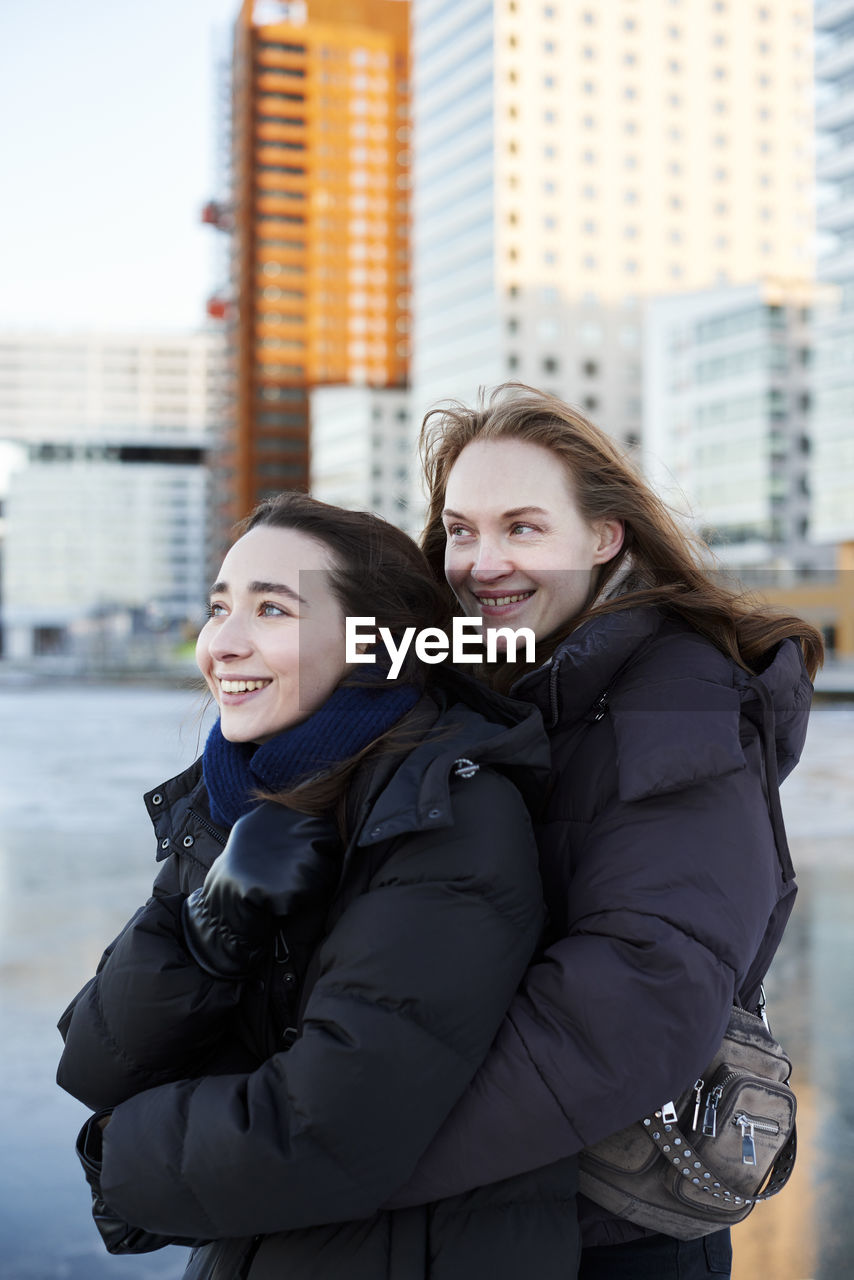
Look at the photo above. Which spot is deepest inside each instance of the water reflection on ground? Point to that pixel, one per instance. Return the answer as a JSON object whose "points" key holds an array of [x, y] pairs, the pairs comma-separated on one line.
{"points": [[76, 857]]}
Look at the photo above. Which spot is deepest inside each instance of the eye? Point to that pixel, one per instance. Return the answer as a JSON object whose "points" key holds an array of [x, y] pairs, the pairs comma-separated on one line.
{"points": [[456, 531], [214, 609], [521, 524], [269, 609]]}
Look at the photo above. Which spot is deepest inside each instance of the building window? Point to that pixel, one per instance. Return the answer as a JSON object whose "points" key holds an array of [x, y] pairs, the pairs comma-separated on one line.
{"points": [[551, 364], [590, 368]]}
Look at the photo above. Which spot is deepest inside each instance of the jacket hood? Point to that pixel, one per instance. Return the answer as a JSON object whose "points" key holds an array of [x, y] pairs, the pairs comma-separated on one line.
{"points": [[577, 678], [787, 693]]}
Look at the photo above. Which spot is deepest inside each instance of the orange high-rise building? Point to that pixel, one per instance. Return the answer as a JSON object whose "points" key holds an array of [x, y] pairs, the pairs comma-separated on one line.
{"points": [[319, 225]]}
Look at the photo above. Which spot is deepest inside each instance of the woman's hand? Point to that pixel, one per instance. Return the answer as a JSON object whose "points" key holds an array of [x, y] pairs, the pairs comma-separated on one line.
{"points": [[276, 862]]}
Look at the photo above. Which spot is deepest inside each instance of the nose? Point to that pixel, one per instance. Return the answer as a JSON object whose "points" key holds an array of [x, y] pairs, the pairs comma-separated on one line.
{"points": [[231, 638], [490, 560]]}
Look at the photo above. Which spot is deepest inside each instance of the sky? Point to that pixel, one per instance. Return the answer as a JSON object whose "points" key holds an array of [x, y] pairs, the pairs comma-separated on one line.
{"points": [[107, 154]]}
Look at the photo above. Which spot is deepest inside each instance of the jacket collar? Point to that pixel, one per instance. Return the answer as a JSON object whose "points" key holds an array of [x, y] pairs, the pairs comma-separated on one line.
{"points": [[468, 725], [460, 720], [180, 815], [586, 663]]}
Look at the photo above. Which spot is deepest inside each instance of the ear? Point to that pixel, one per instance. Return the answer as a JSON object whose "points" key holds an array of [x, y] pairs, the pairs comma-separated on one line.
{"points": [[610, 535]]}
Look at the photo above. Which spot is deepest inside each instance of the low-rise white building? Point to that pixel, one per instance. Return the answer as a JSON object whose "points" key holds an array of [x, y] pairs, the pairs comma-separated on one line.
{"points": [[105, 523]]}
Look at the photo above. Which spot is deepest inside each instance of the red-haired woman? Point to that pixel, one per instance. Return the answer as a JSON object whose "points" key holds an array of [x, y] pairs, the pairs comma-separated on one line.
{"points": [[674, 705]]}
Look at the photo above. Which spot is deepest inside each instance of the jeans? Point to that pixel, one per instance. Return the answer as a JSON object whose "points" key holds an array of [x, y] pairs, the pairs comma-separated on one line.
{"points": [[659, 1258]]}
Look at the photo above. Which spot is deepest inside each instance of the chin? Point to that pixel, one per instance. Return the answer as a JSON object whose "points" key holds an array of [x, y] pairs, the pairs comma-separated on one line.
{"points": [[235, 735]]}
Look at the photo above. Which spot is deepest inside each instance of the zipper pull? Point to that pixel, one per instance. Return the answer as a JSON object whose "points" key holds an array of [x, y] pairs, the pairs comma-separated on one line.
{"points": [[748, 1147], [710, 1116], [598, 709], [698, 1093]]}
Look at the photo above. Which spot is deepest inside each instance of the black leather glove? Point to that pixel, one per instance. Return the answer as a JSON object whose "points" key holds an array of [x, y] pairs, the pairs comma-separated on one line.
{"points": [[118, 1236], [276, 863]]}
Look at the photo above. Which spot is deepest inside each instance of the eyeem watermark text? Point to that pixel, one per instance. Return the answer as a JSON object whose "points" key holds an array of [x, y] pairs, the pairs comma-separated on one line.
{"points": [[432, 644]]}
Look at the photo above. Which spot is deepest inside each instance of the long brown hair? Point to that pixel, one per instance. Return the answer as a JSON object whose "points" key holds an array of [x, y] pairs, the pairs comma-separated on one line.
{"points": [[670, 567], [376, 571]]}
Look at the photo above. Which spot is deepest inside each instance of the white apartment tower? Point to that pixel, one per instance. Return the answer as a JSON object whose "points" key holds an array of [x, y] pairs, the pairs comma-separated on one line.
{"points": [[726, 434], [833, 409], [574, 159]]}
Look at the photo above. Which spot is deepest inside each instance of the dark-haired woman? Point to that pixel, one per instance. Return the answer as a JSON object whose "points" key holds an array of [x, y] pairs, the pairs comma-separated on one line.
{"points": [[673, 706], [347, 900]]}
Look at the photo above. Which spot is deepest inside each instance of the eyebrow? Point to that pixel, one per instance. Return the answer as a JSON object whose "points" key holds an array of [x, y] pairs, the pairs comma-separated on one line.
{"points": [[514, 513], [262, 589]]}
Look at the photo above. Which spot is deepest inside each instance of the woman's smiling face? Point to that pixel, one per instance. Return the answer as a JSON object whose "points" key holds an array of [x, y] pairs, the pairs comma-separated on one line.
{"points": [[519, 553], [272, 650]]}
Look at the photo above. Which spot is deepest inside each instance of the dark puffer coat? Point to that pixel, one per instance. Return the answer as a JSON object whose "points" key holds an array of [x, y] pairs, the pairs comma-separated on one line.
{"points": [[229, 1127], [668, 882]]}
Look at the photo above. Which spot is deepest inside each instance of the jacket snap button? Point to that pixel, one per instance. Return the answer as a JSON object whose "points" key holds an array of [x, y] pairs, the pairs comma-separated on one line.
{"points": [[435, 813], [188, 841], [375, 831], [157, 798], [289, 979], [164, 843]]}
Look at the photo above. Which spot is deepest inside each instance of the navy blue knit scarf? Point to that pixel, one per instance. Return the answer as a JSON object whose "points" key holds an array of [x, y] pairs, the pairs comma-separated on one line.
{"points": [[348, 721]]}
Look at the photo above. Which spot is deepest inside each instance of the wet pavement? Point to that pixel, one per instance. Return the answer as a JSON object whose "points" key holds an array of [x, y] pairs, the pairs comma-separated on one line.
{"points": [[76, 858]]}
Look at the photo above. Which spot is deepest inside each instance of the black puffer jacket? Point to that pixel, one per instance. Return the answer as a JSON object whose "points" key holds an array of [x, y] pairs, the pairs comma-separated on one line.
{"points": [[220, 1133], [668, 881]]}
